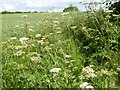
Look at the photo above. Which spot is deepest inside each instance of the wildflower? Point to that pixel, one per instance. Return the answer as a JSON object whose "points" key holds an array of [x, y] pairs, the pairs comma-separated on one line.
{"points": [[73, 27], [88, 72], [118, 69], [33, 45], [38, 35], [90, 87], [50, 33], [35, 58], [32, 26], [46, 21], [55, 25], [91, 65], [40, 41], [58, 32], [51, 44], [67, 56], [24, 16], [19, 53], [65, 13], [11, 47], [58, 28], [55, 70], [109, 11], [83, 85], [31, 30], [20, 47], [43, 38], [55, 22], [108, 16], [115, 15], [13, 38], [33, 54], [91, 75], [17, 26], [23, 40], [47, 48], [86, 85], [4, 42], [83, 27], [104, 71]]}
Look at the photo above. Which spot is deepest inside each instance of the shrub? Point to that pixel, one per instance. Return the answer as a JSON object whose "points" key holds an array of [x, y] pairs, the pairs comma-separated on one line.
{"points": [[71, 8]]}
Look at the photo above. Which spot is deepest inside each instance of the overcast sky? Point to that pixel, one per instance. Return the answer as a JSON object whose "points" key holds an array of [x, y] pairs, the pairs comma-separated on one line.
{"points": [[39, 5]]}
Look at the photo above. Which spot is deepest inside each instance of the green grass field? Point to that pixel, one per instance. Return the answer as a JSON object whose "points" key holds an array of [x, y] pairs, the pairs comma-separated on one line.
{"points": [[62, 50]]}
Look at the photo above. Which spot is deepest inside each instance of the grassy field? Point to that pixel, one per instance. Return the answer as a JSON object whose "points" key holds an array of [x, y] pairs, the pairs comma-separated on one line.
{"points": [[49, 50]]}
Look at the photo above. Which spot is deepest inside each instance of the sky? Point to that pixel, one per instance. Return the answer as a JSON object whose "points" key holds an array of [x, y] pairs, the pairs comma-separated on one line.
{"points": [[41, 5]]}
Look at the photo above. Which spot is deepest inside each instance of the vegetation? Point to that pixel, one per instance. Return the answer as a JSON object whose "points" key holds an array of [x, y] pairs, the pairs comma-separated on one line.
{"points": [[17, 12], [71, 8], [115, 7], [54, 50]]}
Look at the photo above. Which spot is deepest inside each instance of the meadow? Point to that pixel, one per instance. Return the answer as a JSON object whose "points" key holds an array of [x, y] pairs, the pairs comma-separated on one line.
{"points": [[60, 50]]}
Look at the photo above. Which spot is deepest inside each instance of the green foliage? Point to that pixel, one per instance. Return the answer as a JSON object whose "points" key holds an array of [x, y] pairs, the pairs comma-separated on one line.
{"points": [[70, 42], [97, 39], [114, 16], [115, 7], [16, 12], [70, 8]]}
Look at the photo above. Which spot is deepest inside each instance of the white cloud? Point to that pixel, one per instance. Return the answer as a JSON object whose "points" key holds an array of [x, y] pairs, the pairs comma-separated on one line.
{"points": [[70, 0], [8, 7], [37, 3], [55, 10], [43, 5], [91, 1], [47, 3], [0, 9]]}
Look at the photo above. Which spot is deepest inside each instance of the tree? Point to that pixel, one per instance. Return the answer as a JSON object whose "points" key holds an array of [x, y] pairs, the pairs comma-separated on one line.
{"points": [[70, 8], [115, 7]]}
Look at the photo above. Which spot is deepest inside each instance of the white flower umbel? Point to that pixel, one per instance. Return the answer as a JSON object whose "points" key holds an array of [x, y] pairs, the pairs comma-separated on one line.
{"points": [[58, 32], [73, 27], [65, 13], [23, 40], [38, 35], [118, 69], [17, 26], [86, 86], [90, 87], [83, 85], [55, 22], [67, 56], [31, 30], [88, 72], [13, 38], [19, 53], [35, 58], [55, 70]]}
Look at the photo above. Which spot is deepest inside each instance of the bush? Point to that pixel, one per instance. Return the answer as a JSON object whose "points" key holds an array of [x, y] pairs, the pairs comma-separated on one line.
{"points": [[71, 8], [115, 7], [95, 36]]}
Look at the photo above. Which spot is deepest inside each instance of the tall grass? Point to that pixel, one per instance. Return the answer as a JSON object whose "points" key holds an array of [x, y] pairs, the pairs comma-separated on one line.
{"points": [[62, 50]]}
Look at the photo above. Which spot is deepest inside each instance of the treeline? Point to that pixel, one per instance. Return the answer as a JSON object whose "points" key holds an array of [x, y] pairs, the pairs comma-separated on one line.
{"points": [[16, 12]]}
